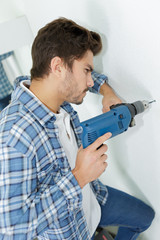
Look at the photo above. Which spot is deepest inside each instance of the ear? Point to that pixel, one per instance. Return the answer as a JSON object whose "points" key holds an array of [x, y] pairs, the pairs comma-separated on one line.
{"points": [[57, 66]]}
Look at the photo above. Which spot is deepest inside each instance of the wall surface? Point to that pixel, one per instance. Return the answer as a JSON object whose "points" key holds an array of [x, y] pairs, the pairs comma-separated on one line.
{"points": [[10, 9], [131, 59], [12, 18]]}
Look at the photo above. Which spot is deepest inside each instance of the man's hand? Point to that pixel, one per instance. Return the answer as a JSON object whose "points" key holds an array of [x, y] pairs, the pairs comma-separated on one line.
{"points": [[109, 97], [91, 161]]}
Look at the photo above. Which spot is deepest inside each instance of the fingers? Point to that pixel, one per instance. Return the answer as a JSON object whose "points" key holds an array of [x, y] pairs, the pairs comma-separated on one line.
{"points": [[103, 158], [105, 164], [100, 151], [99, 141]]}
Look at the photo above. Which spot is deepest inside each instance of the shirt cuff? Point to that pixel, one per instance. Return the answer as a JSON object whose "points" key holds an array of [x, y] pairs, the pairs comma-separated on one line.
{"points": [[71, 190], [99, 80]]}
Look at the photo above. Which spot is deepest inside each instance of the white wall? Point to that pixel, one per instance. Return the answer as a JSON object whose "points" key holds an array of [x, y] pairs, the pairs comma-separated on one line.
{"points": [[10, 9], [15, 38], [131, 59]]}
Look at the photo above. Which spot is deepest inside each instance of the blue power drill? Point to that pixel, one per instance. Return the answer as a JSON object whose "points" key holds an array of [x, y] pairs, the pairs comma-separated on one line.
{"points": [[116, 121]]}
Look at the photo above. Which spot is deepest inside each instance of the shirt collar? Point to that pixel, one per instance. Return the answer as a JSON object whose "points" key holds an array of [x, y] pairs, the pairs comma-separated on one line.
{"points": [[33, 104]]}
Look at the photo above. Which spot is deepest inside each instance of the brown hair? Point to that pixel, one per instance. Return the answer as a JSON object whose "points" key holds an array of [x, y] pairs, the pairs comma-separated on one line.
{"points": [[63, 38]]}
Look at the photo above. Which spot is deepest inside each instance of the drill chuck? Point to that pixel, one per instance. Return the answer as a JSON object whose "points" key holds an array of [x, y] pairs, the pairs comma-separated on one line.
{"points": [[135, 107], [139, 107]]}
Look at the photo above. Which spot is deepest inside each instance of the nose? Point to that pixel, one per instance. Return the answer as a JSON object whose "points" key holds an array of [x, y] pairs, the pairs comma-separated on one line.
{"points": [[90, 82]]}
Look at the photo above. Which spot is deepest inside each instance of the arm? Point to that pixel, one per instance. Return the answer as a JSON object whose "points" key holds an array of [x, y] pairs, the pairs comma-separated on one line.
{"points": [[28, 206], [109, 97], [101, 86]]}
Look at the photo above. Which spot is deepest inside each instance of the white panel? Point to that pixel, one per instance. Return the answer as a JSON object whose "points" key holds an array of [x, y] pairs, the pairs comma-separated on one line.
{"points": [[15, 34], [11, 68]]}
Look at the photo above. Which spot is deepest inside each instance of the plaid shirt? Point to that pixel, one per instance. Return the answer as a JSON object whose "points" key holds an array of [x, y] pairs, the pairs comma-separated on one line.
{"points": [[39, 196], [5, 85]]}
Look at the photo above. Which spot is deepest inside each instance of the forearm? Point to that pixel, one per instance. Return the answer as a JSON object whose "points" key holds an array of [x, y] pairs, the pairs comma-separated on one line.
{"points": [[45, 199], [109, 97], [105, 89], [43, 208]]}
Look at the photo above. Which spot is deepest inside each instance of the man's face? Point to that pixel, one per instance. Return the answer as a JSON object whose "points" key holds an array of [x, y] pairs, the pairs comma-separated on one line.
{"points": [[77, 81]]}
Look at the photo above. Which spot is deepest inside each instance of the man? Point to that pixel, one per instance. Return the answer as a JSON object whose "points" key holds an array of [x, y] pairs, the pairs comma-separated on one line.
{"points": [[49, 187]]}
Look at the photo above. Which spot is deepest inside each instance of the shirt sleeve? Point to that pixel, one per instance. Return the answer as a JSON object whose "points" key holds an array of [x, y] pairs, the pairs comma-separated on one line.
{"points": [[99, 80], [29, 207], [100, 190], [5, 55]]}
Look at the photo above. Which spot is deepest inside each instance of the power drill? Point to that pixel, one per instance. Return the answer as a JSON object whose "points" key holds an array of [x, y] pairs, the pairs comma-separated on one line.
{"points": [[117, 120]]}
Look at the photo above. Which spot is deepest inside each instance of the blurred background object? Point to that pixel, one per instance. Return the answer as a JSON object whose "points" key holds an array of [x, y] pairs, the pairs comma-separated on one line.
{"points": [[16, 36]]}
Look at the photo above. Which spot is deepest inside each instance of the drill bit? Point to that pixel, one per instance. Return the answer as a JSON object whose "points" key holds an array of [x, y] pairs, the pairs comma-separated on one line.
{"points": [[146, 104], [152, 101]]}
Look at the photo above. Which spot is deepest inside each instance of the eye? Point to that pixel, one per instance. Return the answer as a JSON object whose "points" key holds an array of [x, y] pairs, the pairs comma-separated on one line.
{"points": [[87, 70]]}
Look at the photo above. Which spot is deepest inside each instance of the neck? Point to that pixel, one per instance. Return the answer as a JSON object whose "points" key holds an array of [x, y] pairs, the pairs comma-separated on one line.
{"points": [[47, 92]]}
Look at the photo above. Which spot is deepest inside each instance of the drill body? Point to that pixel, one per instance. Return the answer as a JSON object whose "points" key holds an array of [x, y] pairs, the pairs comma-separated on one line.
{"points": [[116, 121]]}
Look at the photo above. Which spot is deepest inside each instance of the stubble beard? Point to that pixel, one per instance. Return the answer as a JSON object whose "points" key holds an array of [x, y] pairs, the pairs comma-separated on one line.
{"points": [[71, 89]]}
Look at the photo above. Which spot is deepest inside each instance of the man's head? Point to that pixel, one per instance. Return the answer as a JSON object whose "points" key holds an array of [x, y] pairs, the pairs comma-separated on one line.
{"points": [[65, 39]]}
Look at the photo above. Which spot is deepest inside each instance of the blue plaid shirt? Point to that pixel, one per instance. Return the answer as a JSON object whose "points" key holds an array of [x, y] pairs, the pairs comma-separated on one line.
{"points": [[5, 85], [39, 196]]}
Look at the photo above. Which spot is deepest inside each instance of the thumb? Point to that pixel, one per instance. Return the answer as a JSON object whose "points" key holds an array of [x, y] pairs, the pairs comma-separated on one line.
{"points": [[105, 109]]}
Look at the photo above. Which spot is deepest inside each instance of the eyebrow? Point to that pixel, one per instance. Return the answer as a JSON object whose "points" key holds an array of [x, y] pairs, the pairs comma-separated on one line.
{"points": [[90, 67]]}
